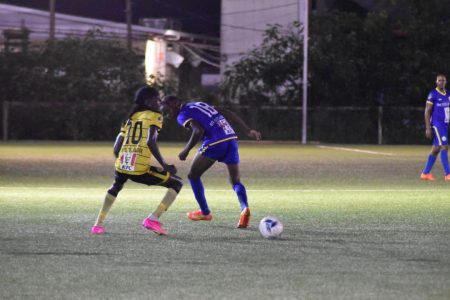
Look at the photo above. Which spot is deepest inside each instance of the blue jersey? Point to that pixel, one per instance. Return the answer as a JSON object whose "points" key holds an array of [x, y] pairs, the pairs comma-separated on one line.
{"points": [[441, 107], [217, 129]]}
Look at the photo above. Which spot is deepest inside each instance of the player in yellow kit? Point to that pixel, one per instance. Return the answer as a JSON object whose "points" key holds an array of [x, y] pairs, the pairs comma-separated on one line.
{"points": [[134, 147]]}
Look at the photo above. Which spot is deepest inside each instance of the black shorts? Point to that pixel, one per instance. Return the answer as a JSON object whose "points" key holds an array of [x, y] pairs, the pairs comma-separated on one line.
{"points": [[155, 176]]}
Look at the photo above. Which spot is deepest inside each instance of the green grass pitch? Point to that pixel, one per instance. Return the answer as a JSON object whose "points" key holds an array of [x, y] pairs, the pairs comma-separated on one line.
{"points": [[359, 224]]}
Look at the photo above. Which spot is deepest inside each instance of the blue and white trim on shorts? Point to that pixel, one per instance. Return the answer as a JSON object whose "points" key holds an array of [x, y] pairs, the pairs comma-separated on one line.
{"points": [[440, 135]]}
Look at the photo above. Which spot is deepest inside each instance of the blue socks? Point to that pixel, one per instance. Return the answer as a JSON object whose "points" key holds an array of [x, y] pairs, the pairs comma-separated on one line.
{"points": [[430, 162], [241, 193], [444, 161], [199, 193]]}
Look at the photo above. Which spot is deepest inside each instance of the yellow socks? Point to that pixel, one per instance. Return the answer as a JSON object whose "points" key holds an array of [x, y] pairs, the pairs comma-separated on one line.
{"points": [[167, 200], [107, 203]]}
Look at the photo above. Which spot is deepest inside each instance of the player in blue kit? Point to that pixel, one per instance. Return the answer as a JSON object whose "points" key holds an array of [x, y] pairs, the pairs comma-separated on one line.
{"points": [[437, 115], [219, 143]]}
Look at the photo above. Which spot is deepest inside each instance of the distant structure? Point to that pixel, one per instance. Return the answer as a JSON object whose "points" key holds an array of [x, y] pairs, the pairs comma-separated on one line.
{"points": [[158, 40], [244, 21], [16, 40]]}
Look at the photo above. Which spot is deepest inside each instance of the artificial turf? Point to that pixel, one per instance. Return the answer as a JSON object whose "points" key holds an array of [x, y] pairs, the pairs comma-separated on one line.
{"points": [[358, 225]]}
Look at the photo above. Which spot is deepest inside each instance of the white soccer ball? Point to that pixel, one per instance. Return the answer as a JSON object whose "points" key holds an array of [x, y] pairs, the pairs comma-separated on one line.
{"points": [[270, 227]]}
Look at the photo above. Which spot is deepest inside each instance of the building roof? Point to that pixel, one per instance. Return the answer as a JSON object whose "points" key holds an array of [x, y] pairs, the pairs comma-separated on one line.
{"points": [[38, 23]]}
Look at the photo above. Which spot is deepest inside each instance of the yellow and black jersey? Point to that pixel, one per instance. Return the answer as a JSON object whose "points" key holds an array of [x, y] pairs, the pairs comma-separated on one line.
{"points": [[134, 156]]}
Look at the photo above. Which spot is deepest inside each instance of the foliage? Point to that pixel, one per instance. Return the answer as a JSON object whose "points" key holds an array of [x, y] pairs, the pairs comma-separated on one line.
{"points": [[387, 56], [76, 70], [80, 77], [351, 59], [423, 50], [164, 85], [269, 73]]}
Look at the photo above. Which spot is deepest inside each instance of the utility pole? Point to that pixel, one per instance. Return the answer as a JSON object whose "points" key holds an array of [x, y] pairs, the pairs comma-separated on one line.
{"points": [[52, 20], [128, 13]]}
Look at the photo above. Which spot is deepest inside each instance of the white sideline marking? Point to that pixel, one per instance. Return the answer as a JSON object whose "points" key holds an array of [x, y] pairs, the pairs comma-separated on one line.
{"points": [[357, 150], [230, 190]]}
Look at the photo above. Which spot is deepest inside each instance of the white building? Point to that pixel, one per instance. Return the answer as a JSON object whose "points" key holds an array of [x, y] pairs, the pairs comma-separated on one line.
{"points": [[162, 47], [244, 22]]}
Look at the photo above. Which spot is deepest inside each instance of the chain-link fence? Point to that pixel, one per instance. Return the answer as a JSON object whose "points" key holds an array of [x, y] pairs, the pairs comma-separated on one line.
{"points": [[101, 121]]}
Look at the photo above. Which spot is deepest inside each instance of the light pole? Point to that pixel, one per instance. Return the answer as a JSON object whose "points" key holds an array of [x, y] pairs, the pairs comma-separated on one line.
{"points": [[128, 12], [52, 20], [305, 12]]}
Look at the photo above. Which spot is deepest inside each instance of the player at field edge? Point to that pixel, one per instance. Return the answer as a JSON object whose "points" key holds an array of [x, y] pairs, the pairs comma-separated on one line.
{"points": [[219, 143], [134, 147], [437, 115]]}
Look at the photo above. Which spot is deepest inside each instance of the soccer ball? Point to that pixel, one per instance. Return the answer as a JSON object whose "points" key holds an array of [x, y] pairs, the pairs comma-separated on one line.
{"points": [[270, 227]]}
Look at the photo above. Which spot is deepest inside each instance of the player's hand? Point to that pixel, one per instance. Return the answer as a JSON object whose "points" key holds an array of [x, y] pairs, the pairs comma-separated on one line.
{"points": [[183, 154], [171, 169], [256, 135], [428, 133]]}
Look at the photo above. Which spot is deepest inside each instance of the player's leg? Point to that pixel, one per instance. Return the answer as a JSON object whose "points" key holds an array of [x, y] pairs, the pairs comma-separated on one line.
{"points": [[110, 197], [238, 187], [200, 165], [431, 159], [173, 183], [241, 192], [432, 156], [444, 161], [442, 133], [231, 159]]}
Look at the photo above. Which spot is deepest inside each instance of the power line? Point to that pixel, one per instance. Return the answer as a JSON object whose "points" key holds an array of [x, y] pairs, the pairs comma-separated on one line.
{"points": [[244, 28], [259, 30], [203, 59], [258, 10]]}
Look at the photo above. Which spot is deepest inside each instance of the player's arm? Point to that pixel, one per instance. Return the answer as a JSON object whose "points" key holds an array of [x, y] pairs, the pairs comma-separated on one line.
{"points": [[197, 134], [152, 144], [119, 139], [235, 119], [427, 115], [118, 144]]}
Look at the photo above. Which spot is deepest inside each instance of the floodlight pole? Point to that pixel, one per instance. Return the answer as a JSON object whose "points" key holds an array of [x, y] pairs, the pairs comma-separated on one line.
{"points": [[305, 67], [52, 20], [128, 12]]}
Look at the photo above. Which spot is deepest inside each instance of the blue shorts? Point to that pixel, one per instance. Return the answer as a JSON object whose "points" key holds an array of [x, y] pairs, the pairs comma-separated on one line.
{"points": [[440, 134], [226, 152]]}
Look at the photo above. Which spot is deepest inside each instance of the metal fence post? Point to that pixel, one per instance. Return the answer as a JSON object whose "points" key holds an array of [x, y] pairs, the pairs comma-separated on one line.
{"points": [[5, 114], [380, 125]]}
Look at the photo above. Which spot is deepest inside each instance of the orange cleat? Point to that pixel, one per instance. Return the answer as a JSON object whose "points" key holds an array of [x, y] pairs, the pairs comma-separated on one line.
{"points": [[428, 176], [244, 219], [447, 177], [199, 216]]}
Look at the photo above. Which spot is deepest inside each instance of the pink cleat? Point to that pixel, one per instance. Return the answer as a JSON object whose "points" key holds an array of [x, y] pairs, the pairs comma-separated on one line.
{"points": [[96, 229], [154, 226]]}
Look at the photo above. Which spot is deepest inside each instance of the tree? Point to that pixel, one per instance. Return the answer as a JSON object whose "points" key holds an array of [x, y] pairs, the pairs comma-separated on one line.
{"points": [[269, 73], [74, 69], [75, 75], [355, 59]]}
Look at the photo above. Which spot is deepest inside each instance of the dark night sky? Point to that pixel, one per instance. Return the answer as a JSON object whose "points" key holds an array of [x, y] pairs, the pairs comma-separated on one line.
{"points": [[196, 16]]}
